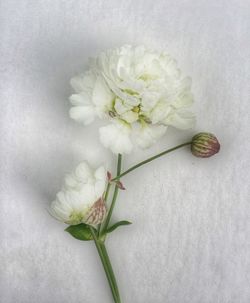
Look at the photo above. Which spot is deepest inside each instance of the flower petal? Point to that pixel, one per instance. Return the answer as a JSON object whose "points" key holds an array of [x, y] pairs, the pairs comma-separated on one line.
{"points": [[147, 134], [100, 176], [81, 99], [181, 120], [83, 81], [102, 96], [83, 172], [84, 114], [116, 136]]}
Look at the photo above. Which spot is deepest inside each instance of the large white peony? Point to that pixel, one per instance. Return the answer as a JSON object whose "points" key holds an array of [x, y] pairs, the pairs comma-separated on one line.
{"points": [[139, 93], [81, 199]]}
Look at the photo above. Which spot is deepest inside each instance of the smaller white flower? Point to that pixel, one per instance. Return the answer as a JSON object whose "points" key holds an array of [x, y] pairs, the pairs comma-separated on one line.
{"points": [[81, 198]]}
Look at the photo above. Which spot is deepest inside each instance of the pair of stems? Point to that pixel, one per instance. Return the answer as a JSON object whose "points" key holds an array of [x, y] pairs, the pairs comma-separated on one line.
{"points": [[103, 254], [100, 241], [99, 235]]}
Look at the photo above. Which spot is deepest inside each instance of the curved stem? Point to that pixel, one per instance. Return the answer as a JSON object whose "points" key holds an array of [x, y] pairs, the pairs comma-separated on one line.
{"points": [[100, 246], [149, 160], [106, 223]]}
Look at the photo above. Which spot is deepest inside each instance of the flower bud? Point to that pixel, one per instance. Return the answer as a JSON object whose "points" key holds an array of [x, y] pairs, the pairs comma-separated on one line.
{"points": [[204, 145]]}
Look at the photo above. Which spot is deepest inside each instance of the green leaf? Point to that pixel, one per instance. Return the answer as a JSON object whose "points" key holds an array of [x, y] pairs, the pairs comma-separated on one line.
{"points": [[120, 223], [80, 232]]}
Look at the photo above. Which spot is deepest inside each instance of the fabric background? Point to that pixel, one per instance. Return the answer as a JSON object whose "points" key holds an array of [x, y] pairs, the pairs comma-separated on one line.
{"points": [[189, 242]]}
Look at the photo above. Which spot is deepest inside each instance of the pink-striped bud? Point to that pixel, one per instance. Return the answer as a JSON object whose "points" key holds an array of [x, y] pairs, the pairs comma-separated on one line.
{"points": [[204, 145]]}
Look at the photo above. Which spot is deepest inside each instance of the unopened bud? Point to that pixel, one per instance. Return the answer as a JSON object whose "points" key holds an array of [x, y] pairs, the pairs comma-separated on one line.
{"points": [[204, 145]]}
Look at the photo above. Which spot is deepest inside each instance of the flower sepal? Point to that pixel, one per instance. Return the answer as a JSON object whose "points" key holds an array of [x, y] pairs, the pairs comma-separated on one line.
{"points": [[116, 225], [80, 232], [116, 182], [103, 234]]}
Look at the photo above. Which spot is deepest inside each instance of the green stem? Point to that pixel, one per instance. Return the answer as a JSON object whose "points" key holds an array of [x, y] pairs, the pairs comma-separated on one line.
{"points": [[100, 246], [105, 253], [106, 222], [149, 160], [107, 191]]}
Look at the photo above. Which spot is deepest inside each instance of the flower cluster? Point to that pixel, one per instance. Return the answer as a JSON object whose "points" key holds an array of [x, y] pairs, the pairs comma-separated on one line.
{"points": [[81, 199], [139, 93]]}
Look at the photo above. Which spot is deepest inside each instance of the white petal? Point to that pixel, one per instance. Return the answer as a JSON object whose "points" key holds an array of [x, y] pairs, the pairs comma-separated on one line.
{"points": [[100, 173], [61, 207], [83, 172], [100, 183], [84, 81], [130, 116], [84, 114], [149, 100], [77, 83], [148, 134], [87, 194], [61, 198], [129, 99], [116, 136], [70, 181], [160, 111], [58, 213], [102, 96], [82, 98], [183, 100], [99, 188], [181, 120], [120, 107], [53, 213]]}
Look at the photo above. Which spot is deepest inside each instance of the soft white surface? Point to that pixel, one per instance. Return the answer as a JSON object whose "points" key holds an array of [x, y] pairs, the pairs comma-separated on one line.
{"points": [[190, 239]]}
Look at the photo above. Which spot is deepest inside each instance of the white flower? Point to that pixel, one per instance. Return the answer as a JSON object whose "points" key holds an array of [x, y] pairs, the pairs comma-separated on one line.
{"points": [[138, 91], [81, 199]]}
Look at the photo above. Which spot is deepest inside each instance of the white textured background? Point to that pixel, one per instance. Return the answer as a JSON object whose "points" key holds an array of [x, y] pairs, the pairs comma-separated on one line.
{"points": [[190, 238]]}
